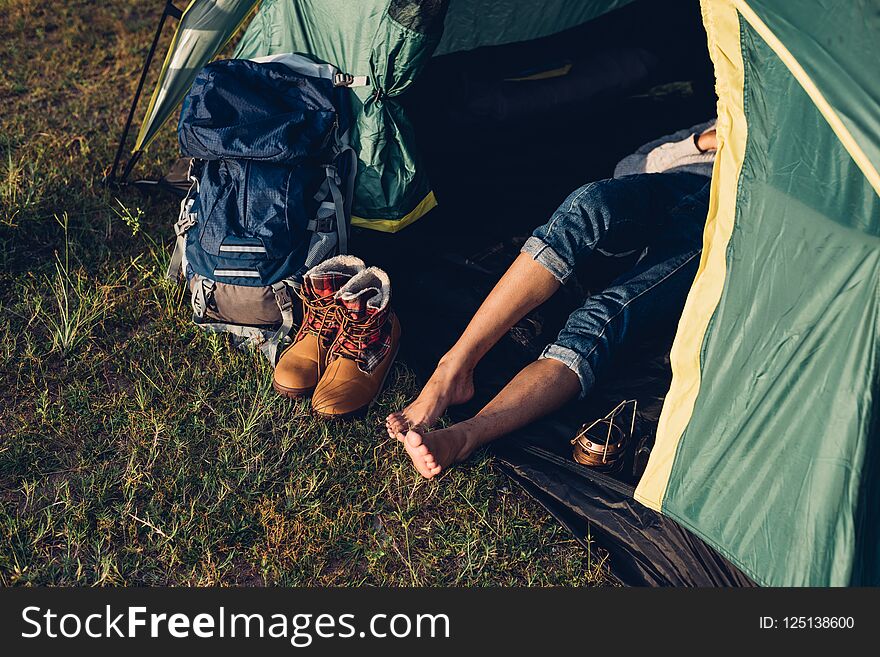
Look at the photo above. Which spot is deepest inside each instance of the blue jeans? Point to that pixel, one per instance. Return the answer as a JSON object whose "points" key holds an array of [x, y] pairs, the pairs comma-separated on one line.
{"points": [[658, 215]]}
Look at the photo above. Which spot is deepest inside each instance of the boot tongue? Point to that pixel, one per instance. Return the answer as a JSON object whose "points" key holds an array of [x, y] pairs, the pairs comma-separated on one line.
{"points": [[321, 288], [365, 334], [324, 284]]}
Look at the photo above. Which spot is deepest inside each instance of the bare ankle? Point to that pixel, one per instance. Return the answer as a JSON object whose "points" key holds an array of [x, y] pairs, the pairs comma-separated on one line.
{"points": [[469, 438], [456, 362]]}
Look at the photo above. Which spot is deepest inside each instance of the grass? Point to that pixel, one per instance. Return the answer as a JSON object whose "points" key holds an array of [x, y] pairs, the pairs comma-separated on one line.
{"points": [[136, 450]]}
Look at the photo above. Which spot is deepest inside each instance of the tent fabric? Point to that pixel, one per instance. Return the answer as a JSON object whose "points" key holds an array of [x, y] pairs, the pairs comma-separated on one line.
{"points": [[472, 24], [766, 446], [387, 40], [825, 48], [205, 27], [645, 548], [390, 43]]}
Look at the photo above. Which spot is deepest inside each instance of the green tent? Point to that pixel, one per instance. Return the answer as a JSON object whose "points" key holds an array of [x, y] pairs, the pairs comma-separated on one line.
{"points": [[767, 443]]}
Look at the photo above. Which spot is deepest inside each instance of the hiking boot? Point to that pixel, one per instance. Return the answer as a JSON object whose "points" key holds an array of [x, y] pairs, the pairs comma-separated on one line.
{"points": [[300, 366], [362, 354]]}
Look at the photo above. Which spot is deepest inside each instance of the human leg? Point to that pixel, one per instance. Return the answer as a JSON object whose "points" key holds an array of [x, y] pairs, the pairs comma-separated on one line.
{"points": [[614, 216], [515, 406], [653, 292], [522, 288], [649, 296]]}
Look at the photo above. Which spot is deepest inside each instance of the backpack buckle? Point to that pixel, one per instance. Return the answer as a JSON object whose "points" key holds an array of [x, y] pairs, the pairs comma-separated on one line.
{"points": [[349, 80], [187, 220], [322, 225], [182, 226], [202, 297], [282, 296]]}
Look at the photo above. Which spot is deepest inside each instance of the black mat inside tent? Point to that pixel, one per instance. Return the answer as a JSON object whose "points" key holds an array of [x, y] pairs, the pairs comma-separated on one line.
{"points": [[502, 155]]}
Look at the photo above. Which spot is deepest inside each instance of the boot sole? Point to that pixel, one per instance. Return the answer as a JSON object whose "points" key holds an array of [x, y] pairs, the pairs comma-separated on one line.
{"points": [[363, 410], [291, 393]]}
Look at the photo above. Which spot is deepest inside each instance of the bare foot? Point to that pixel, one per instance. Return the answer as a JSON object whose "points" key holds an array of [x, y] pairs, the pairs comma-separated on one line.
{"points": [[450, 384], [434, 451]]}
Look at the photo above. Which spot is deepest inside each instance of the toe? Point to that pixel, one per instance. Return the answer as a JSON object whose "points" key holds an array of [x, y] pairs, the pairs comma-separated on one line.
{"points": [[399, 430], [400, 419], [419, 463], [420, 467], [434, 471], [396, 428], [414, 439]]}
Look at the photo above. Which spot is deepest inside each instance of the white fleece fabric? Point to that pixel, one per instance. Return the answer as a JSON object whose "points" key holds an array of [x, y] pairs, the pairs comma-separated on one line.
{"points": [[675, 152], [371, 281], [346, 265]]}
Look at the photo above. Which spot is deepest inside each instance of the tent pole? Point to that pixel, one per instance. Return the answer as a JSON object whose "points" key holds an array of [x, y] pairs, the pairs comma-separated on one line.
{"points": [[111, 180]]}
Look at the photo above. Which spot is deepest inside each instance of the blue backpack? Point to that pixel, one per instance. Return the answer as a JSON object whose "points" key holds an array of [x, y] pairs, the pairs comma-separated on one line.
{"points": [[272, 180]]}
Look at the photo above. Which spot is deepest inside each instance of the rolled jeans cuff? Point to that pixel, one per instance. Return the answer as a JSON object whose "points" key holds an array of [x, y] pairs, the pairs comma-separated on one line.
{"points": [[544, 255], [573, 361]]}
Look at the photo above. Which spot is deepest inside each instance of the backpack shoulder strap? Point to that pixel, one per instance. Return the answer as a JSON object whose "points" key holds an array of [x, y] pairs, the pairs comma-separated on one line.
{"points": [[185, 220]]}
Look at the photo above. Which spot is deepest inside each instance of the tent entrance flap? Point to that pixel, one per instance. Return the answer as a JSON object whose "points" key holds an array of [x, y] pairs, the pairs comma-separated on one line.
{"points": [[767, 444], [477, 170]]}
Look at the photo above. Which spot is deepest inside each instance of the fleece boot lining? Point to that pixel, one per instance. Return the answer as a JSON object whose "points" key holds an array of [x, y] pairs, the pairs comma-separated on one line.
{"points": [[372, 282], [345, 265]]}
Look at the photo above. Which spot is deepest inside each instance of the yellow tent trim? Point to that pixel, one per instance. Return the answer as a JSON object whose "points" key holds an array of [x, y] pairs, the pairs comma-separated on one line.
{"points": [[819, 100], [393, 225], [722, 27]]}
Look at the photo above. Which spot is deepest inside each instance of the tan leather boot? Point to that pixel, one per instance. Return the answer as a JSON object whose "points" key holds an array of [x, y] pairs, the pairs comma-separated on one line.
{"points": [[302, 363], [361, 356]]}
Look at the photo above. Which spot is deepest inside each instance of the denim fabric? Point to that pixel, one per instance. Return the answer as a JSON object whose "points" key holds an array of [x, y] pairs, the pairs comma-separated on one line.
{"points": [[661, 215]]}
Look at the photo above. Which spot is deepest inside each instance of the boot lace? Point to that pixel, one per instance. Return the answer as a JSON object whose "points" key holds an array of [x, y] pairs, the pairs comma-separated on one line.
{"points": [[355, 333], [321, 311], [315, 311]]}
